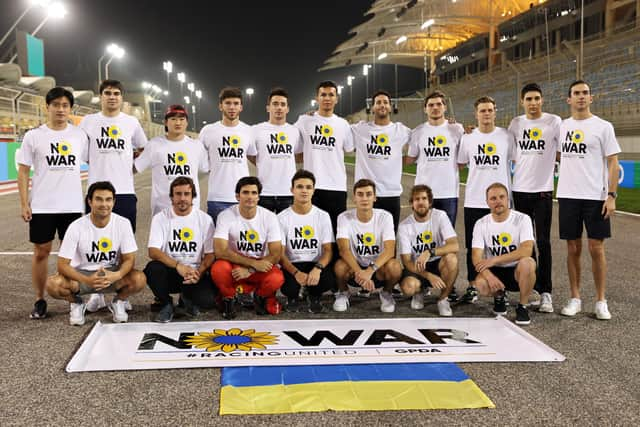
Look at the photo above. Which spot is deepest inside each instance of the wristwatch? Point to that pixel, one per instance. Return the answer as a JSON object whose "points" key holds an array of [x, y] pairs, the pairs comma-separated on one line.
{"points": [[373, 266], [612, 194], [319, 266], [432, 251]]}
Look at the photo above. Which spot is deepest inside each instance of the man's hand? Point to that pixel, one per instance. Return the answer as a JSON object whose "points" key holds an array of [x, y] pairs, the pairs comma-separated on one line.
{"points": [[494, 283], [484, 264], [26, 213], [436, 281], [189, 274], [262, 265], [363, 278], [313, 278], [421, 261], [301, 278], [99, 279], [608, 207], [240, 273]]}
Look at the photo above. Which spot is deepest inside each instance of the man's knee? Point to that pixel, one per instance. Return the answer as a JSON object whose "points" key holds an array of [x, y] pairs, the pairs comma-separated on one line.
{"points": [[449, 262], [342, 270], [574, 247], [41, 251], [596, 247], [410, 286], [135, 280], [526, 266], [55, 285], [392, 270]]}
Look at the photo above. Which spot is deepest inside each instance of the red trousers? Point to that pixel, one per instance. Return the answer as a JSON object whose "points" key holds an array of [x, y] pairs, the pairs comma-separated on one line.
{"points": [[263, 284]]}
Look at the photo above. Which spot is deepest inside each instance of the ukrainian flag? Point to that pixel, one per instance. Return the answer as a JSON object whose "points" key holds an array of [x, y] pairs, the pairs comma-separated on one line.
{"points": [[379, 387]]}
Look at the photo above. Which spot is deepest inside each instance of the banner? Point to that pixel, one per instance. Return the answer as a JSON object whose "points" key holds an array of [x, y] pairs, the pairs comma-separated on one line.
{"points": [[132, 346]]}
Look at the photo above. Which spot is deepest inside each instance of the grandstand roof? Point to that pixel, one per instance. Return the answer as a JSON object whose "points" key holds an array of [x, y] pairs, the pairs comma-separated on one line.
{"points": [[40, 84], [10, 73], [454, 21]]}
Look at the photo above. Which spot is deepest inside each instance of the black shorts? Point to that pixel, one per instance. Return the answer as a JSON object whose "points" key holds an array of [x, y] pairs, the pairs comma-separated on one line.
{"points": [[43, 226], [573, 213], [377, 282], [507, 276], [433, 267], [126, 206]]}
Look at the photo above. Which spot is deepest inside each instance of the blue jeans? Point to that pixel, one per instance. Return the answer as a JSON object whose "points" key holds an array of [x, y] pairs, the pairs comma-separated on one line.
{"points": [[214, 208], [450, 206]]}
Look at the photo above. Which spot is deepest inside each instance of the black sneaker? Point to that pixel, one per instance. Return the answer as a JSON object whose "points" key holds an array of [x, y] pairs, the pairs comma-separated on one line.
{"points": [[453, 295], [189, 308], [293, 305], [315, 306], [228, 308], [470, 295], [39, 310], [522, 315], [260, 304], [165, 315], [499, 305]]}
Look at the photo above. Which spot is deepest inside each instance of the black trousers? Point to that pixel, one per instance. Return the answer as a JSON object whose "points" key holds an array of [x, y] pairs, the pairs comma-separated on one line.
{"points": [[334, 202], [165, 281], [539, 206], [391, 205], [291, 287], [471, 215], [275, 204]]}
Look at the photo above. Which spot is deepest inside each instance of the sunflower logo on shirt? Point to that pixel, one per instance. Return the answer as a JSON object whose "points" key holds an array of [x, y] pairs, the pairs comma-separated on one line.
{"points": [[64, 148], [382, 139], [535, 134], [578, 137], [307, 232], [252, 236], [504, 239], [282, 138], [181, 158], [368, 239], [186, 234], [426, 236], [114, 132], [104, 244], [234, 141], [440, 141], [326, 131], [490, 148]]}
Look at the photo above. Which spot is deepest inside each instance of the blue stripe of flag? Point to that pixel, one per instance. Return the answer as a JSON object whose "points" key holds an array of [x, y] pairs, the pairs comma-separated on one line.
{"points": [[287, 375]]}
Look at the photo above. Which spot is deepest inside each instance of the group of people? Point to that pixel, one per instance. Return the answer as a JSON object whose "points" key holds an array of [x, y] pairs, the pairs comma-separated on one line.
{"points": [[289, 229]]}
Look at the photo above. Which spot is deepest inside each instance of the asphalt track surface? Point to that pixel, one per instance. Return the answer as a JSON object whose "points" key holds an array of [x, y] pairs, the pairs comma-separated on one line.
{"points": [[598, 384]]}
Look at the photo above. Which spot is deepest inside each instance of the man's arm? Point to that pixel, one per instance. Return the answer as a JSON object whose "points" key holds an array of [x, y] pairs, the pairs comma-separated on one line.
{"points": [[207, 260], [388, 252], [609, 205], [98, 280], [252, 159], [23, 189], [222, 251], [275, 252], [126, 265], [525, 250], [344, 248], [494, 283]]}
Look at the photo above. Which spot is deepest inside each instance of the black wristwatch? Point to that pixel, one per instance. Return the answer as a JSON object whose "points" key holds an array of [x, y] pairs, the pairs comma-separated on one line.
{"points": [[319, 266], [612, 194], [432, 251]]}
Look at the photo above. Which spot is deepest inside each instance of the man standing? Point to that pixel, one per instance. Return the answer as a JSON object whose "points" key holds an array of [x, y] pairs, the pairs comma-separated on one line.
{"points": [[307, 238], [113, 136], [326, 137], [171, 156], [379, 146], [534, 154], [277, 143], [247, 243], [486, 152], [55, 151], [97, 255], [366, 242], [228, 142], [428, 249], [502, 248], [181, 252], [434, 147], [586, 192]]}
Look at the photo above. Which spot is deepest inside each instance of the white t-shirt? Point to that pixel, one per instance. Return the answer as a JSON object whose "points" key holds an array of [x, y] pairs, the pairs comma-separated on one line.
{"points": [[415, 237], [248, 237], [584, 146], [366, 239], [379, 155], [276, 147], [111, 144], [436, 149], [169, 160], [304, 235], [55, 156], [499, 238], [228, 148], [534, 152], [184, 238], [487, 156], [89, 247], [325, 140]]}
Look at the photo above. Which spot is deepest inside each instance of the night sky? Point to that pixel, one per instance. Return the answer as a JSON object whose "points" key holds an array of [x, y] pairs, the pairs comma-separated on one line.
{"points": [[259, 44]]}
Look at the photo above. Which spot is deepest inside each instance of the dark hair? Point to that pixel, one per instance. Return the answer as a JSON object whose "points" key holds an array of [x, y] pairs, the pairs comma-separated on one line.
{"points": [[111, 83], [303, 174], [421, 188], [530, 87], [277, 91], [58, 92], [578, 82], [100, 185], [325, 84], [436, 94], [496, 185], [230, 92], [381, 92], [484, 100], [248, 180], [183, 180], [364, 183]]}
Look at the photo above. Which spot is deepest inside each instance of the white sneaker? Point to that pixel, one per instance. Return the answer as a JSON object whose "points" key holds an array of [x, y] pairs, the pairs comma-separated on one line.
{"points": [[127, 305], [117, 308], [602, 311], [342, 301], [546, 303], [444, 308], [573, 307], [95, 303], [417, 301], [387, 303], [76, 313]]}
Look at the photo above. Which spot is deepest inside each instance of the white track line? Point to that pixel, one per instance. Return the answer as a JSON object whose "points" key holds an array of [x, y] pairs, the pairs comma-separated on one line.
{"points": [[24, 253]]}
